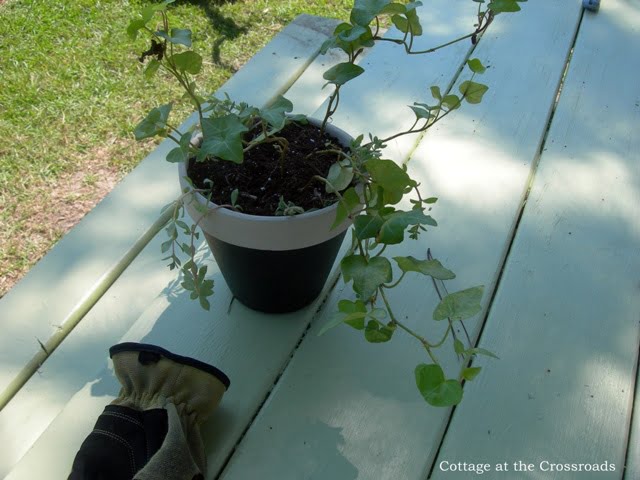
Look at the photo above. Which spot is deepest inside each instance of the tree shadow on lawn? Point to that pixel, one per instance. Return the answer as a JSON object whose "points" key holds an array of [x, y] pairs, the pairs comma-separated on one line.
{"points": [[223, 26]]}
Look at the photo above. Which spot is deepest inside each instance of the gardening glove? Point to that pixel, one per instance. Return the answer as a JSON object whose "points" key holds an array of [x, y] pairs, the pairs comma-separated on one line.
{"points": [[151, 431]]}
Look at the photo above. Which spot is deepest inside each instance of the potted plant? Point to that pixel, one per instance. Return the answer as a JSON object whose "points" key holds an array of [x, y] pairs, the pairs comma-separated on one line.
{"points": [[275, 192]]}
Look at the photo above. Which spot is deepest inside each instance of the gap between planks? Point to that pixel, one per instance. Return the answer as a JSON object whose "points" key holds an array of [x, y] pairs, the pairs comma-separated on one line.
{"points": [[523, 202], [110, 276]]}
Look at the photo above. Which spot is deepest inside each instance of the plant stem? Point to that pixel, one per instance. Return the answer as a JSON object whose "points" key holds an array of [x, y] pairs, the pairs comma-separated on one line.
{"points": [[427, 346], [331, 108]]}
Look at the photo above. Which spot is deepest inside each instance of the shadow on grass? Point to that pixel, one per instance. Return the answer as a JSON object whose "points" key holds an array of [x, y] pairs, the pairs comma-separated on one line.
{"points": [[224, 27]]}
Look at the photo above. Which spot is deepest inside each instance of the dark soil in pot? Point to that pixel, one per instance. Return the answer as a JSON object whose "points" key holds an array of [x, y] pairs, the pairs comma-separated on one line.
{"points": [[263, 178]]}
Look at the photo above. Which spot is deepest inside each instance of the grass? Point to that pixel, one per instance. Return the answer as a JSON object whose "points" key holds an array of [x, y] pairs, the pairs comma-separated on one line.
{"points": [[72, 93]]}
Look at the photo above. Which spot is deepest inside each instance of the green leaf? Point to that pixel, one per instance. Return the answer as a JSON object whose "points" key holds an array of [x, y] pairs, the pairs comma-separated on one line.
{"points": [[146, 15], [482, 351], [377, 314], [366, 276], [222, 138], [500, 6], [176, 155], [376, 332], [435, 92], [458, 347], [434, 388], [188, 61], [476, 65], [471, 373], [409, 21], [420, 112], [343, 72], [134, 27], [392, 231], [350, 201], [352, 33], [460, 305], [339, 177], [181, 153], [150, 10], [275, 114], [366, 10], [367, 226], [388, 174], [351, 313], [355, 320], [451, 102], [204, 303], [472, 91], [432, 268], [151, 69], [179, 36], [348, 306], [154, 123]]}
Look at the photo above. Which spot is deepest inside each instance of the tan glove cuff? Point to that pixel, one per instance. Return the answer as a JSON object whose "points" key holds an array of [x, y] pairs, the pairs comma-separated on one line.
{"points": [[152, 376]]}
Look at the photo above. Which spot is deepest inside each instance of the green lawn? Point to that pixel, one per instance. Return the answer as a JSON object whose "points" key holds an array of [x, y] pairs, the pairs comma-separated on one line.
{"points": [[72, 91]]}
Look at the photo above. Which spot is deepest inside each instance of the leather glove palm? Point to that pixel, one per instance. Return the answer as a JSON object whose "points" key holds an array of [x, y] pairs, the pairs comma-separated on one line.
{"points": [[151, 431]]}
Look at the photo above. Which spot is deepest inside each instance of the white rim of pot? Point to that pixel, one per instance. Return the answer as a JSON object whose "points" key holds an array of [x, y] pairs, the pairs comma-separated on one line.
{"points": [[275, 233]]}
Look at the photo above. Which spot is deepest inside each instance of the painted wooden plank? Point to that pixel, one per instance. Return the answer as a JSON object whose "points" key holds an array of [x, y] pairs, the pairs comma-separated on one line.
{"points": [[347, 409], [565, 318], [36, 309], [259, 388], [67, 370], [633, 454], [251, 348]]}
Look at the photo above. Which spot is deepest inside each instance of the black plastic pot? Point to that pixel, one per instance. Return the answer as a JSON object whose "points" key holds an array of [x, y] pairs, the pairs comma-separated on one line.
{"points": [[272, 264]]}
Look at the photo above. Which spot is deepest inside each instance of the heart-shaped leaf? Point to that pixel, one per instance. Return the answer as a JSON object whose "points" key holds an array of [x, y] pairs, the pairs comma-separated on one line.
{"points": [[500, 6], [222, 138], [435, 389], [346, 206], [367, 276], [366, 10], [432, 268], [343, 72], [188, 61], [339, 177], [392, 231], [179, 36], [471, 373], [475, 65], [473, 92], [275, 114], [376, 332], [460, 305], [154, 123], [367, 226]]}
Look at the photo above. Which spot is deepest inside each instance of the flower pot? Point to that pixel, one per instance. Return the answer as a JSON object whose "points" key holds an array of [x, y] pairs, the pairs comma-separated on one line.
{"points": [[272, 264]]}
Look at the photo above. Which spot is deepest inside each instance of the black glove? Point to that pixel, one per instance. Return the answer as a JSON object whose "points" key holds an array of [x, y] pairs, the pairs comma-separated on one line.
{"points": [[151, 431]]}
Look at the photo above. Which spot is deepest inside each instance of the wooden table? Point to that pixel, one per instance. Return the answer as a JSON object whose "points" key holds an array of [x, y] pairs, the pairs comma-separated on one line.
{"points": [[539, 188]]}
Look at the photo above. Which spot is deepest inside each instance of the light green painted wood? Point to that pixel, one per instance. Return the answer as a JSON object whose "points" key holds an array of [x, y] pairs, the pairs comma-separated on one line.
{"points": [[346, 409], [38, 306], [565, 318], [82, 354], [251, 348], [633, 454]]}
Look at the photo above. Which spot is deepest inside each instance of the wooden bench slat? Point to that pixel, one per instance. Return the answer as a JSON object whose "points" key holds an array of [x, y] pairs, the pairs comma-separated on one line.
{"points": [[259, 371], [565, 318], [83, 353], [348, 409]]}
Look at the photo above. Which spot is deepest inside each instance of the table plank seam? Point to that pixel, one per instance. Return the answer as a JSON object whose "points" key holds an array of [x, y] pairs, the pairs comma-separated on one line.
{"points": [[80, 310], [329, 287], [514, 229], [632, 417]]}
